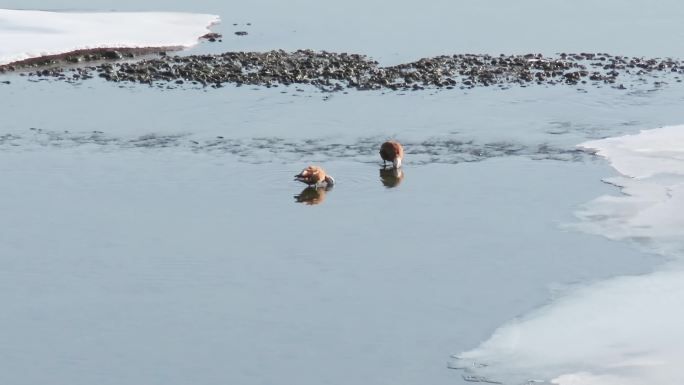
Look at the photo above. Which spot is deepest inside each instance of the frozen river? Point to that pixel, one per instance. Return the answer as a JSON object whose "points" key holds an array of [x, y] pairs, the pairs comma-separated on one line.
{"points": [[154, 237]]}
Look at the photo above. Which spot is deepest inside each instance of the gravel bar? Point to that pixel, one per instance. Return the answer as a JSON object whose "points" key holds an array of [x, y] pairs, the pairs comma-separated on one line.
{"points": [[331, 72]]}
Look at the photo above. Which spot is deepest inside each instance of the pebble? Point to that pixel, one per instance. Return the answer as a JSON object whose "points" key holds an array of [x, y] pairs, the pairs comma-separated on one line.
{"points": [[329, 71], [212, 37]]}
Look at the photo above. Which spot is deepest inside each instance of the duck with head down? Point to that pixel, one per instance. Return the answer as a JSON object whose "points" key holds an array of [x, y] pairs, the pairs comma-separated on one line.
{"points": [[314, 176], [392, 151]]}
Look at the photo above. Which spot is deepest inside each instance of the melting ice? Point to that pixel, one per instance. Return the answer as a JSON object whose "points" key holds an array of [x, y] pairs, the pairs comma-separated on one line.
{"points": [[623, 331]]}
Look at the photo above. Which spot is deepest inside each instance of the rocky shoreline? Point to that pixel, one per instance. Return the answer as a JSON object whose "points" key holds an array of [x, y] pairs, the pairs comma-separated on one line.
{"points": [[331, 72]]}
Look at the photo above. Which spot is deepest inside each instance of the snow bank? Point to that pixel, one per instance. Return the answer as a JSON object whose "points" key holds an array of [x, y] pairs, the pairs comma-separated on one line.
{"points": [[30, 34], [626, 330]]}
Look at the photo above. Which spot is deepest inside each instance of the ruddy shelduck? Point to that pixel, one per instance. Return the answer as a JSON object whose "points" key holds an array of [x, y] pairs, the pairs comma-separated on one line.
{"points": [[391, 151], [314, 175]]}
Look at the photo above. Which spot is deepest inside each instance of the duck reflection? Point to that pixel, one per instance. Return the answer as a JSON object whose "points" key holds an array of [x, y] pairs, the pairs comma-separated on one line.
{"points": [[312, 195], [391, 177]]}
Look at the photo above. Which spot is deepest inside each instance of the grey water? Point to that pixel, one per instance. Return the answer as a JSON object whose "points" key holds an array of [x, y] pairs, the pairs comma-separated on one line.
{"points": [[155, 236]]}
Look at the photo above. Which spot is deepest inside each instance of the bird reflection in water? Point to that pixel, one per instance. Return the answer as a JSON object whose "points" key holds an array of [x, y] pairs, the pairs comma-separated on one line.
{"points": [[391, 177], [312, 195]]}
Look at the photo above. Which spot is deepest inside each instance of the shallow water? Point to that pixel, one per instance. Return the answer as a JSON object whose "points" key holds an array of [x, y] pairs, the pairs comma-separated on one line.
{"points": [[121, 266], [134, 241], [155, 235]]}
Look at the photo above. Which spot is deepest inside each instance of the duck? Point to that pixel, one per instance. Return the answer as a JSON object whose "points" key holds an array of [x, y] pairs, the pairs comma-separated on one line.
{"points": [[314, 176], [392, 151]]}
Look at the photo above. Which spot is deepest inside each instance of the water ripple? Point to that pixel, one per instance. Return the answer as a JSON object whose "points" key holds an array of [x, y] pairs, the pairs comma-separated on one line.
{"points": [[446, 149]]}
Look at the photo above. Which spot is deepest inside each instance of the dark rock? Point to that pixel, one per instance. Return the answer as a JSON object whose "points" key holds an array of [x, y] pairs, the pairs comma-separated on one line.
{"points": [[330, 72], [112, 55], [212, 37]]}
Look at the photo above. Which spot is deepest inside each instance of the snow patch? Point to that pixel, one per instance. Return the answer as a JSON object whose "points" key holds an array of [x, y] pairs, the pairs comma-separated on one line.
{"points": [[31, 34]]}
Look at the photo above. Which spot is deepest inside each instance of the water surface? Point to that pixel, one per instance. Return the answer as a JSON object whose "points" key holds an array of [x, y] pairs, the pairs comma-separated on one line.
{"points": [[154, 235]]}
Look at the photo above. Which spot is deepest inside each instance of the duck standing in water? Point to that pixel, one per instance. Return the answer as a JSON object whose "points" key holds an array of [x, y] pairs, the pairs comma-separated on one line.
{"points": [[313, 176], [393, 152]]}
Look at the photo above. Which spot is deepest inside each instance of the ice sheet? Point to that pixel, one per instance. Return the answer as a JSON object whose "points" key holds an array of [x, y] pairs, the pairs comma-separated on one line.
{"points": [[31, 34], [626, 330], [652, 168]]}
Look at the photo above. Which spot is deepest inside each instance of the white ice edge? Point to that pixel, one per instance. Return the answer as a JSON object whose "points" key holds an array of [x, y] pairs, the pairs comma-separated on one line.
{"points": [[31, 34], [625, 330]]}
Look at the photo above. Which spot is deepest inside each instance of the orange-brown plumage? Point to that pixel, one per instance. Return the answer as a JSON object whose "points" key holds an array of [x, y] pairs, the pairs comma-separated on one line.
{"points": [[314, 175], [392, 151]]}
